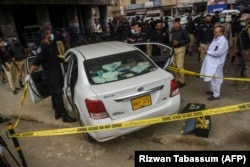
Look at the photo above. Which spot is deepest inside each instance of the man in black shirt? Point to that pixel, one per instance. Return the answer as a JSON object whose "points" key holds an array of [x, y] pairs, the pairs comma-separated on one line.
{"points": [[158, 35], [47, 57], [191, 28], [17, 54], [180, 37], [8, 66], [205, 35]]}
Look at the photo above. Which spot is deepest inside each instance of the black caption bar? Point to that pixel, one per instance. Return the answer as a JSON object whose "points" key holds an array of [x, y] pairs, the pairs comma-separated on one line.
{"points": [[196, 158]]}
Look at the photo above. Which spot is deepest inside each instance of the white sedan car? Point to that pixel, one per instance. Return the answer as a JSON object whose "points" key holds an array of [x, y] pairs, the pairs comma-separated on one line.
{"points": [[113, 82]]}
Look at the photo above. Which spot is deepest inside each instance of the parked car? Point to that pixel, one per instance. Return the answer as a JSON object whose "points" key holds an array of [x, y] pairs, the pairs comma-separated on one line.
{"points": [[113, 82]]}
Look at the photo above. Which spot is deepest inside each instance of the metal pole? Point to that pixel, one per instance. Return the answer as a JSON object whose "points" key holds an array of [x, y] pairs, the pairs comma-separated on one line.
{"points": [[16, 144], [3, 143]]}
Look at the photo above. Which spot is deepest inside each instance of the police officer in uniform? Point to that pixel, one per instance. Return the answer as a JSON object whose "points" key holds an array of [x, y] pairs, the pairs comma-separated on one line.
{"points": [[158, 35], [229, 35], [137, 35], [205, 35], [242, 61], [191, 28], [179, 38], [47, 57]]}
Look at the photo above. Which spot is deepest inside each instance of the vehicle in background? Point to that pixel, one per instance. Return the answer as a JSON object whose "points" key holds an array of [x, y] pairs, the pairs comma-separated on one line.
{"points": [[229, 14]]}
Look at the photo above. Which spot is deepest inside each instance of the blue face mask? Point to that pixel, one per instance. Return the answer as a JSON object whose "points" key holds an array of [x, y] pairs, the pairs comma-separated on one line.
{"points": [[134, 32], [243, 24], [52, 37]]}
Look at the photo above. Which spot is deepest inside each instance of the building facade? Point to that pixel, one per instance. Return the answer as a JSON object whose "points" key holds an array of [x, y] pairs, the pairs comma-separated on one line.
{"points": [[20, 18]]}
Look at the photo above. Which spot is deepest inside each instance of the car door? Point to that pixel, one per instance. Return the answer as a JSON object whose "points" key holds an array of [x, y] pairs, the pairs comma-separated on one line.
{"points": [[37, 88], [165, 57], [70, 79]]}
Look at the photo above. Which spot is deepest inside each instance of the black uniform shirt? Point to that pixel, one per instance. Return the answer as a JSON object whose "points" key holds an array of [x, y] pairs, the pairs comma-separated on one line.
{"points": [[47, 56], [205, 33], [181, 35]]}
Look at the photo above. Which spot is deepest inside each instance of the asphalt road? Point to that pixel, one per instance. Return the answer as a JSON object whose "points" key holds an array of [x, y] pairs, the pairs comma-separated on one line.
{"points": [[229, 131]]}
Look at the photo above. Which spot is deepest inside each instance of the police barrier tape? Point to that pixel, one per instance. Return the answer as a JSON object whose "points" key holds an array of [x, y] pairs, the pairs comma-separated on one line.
{"points": [[149, 121], [171, 68]]}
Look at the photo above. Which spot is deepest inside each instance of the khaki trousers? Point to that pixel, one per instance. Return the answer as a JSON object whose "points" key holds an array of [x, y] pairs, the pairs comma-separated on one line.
{"points": [[19, 70], [178, 62], [190, 45], [203, 54], [11, 75]]}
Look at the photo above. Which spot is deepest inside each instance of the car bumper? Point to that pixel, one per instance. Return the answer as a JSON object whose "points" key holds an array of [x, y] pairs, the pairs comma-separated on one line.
{"points": [[170, 107]]}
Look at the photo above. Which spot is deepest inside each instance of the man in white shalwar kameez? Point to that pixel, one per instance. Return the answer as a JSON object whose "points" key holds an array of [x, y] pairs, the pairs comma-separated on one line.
{"points": [[214, 62]]}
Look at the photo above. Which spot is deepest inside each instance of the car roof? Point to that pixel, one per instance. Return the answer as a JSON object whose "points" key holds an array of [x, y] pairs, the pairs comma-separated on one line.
{"points": [[103, 48]]}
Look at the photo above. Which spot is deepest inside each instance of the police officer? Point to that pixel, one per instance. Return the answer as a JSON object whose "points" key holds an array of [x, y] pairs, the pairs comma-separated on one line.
{"points": [[205, 35], [228, 29], [47, 57], [158, 35], [8, 66], [137, 35], [191, 28], [17, 54], [242, 61], [179, 38]]}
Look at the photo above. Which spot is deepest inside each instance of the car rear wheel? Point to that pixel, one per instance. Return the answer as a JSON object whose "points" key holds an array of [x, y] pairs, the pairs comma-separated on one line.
{"points": [[85, 135]]}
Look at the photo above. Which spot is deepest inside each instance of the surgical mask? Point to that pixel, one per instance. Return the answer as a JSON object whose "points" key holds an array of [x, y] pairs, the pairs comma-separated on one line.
{"points": [[134, 32], [243, 24], [222, 20], [5, 44], [52, 37]]}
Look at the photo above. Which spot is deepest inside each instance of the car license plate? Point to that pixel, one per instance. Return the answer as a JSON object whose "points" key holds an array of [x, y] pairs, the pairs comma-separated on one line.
{"points": [[141, 102]]}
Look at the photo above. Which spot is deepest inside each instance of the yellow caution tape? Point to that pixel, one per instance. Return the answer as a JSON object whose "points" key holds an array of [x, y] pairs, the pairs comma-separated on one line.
{"points": [[24, 94], [22, 103], [61, 56], [171, 68], [149, 121]]}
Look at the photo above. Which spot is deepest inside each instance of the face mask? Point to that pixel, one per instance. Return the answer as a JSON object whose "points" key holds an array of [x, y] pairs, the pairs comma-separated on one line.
{"points": [[243, 24], [134, 32], [5, 44], [52, 37], [222, 20], [208, 22]]}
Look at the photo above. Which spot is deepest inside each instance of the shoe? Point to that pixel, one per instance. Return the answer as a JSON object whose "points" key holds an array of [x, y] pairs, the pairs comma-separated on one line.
{"points": [[209, 93], [68, 119], [57, 115], [181, 85], [213, 98], [14, 92]]}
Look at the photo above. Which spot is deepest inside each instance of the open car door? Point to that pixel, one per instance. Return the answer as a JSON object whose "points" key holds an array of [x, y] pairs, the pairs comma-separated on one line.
{"points": [[161, 54], [70, 79], [37, 88]]}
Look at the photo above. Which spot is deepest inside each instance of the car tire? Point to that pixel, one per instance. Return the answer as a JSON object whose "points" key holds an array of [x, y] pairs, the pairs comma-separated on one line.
{"points": [[86, 135]]}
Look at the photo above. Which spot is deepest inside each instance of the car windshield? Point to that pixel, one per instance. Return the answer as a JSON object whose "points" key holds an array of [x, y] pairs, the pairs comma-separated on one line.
{"points": [[117, 67]]}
